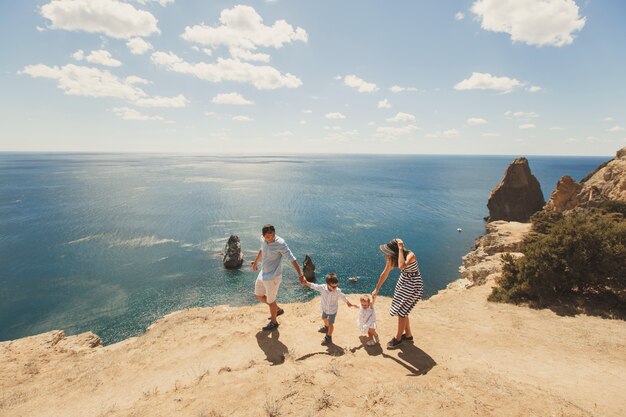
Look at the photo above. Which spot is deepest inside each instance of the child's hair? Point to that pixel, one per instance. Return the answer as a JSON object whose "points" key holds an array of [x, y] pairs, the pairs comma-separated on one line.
{"points": [[332, 278], [365, 298], [268, 228]]}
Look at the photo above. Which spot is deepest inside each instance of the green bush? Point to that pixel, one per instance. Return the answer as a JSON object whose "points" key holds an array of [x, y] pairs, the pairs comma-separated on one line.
{"points": [[581, 254]]}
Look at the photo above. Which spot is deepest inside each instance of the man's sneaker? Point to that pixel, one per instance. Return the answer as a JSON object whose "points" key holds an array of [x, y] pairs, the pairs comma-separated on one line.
{"points": [[323, 329], [279, 312], [328, 340], [393, 343], [407, 338], [271, 326]]}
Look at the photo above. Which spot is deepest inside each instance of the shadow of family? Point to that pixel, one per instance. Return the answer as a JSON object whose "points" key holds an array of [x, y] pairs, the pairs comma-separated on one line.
{"points": [[411, 357]]}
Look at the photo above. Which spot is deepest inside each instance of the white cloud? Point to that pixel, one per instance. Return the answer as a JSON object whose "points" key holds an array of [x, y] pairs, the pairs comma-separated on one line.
{"points": [[616, 129], [527, 126], [302, 122], [534, 89], [393, 131], [521, 115], [398, 89], [307, 111], [210, 113], [384, 104], [242, 28], [138, 46], [285, 134], [450, 133], [242, 119], [76, 80], [163, 3], [459, 16], [101, 57], [231, 98], [245, 55], [110, 17], [491, 135], [127, 113], [133, 79], [608, 119], [262, 77], [207, 51], [361, 85], [402, 117], [534, 22], [157, 101], [556, 128], [485, 81], [335, 116], [334, 128], [475, 121]]}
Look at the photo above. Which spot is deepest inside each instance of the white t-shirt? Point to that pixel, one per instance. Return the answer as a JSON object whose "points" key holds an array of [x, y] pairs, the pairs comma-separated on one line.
{"points": [[330, 299]]}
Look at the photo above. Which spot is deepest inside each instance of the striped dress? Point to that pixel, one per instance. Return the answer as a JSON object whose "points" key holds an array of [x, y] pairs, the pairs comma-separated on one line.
{"points": [[408, 292]]}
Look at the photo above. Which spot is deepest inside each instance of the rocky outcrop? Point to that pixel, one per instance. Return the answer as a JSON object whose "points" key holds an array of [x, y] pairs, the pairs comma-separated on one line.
{"points": [[308, 269], [607, 182], [233, 256], [517, 196], [484, 262], [565, 196]]}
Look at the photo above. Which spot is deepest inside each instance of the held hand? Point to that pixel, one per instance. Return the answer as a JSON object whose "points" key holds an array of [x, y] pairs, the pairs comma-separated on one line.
{"points": [[255, 267], [374, 293]]}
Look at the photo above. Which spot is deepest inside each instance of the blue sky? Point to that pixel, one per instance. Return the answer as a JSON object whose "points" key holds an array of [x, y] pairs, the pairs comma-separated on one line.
{"points": [[510, 77]]}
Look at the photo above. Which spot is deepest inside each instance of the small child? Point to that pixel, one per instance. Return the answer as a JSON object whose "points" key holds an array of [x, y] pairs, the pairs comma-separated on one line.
{"points": [[367, 320], [330, 295]]}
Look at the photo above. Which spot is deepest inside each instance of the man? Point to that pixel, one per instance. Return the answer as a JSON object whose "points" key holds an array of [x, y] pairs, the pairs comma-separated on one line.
{"points": [[273, 248]]}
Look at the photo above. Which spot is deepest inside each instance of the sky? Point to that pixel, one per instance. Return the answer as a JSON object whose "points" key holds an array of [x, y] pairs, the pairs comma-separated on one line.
{"points": [[488, 77]]}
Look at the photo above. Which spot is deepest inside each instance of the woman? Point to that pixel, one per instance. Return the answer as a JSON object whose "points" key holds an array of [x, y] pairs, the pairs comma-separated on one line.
{"points": [[409, 288]]}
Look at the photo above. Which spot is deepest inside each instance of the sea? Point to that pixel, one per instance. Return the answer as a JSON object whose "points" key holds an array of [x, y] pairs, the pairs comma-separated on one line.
{"points": [[110, 243]]}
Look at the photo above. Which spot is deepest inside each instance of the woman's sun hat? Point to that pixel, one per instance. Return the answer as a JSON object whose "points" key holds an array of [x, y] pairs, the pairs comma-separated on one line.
{"points": [[389, 249]]}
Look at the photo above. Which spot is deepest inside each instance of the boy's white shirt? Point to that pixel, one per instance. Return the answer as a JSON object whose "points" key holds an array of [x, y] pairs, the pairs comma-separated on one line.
{"points": [[329, 299]]}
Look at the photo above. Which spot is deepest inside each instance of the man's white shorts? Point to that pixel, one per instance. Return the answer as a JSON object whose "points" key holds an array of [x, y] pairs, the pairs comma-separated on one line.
{"points": [[268, 288]]}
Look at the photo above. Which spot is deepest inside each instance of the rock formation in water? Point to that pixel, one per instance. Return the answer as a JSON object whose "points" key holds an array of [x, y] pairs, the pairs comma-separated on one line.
{"points": [[308, 269], [233, 256], [607, 182], [517, 196]]}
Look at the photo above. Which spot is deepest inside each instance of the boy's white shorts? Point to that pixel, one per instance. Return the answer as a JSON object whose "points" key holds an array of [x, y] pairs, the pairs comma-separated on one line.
{"points": [[268, 288]]}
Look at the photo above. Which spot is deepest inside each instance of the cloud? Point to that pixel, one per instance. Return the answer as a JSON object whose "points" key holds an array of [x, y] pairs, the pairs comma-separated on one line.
{"points": [[242, 29], [138, 46], [231, 98], [491, 135], [402, 117], [616, 129], [101, 57], [127, 113], [459, 16], [76, 80], [485, 81], [242, 119], [450, 133], [384, 104], [110, 17], [534, 22], [360, 85], [285, 134], [335, 116], [521, 115], [534, 89], [133, 79], [556, 128], [398, 89], [393, 131], [163, 3], [307, 111], [246, 55], [608, 119], [527, 126], [475, 121], [157, 101], [262, 77]]}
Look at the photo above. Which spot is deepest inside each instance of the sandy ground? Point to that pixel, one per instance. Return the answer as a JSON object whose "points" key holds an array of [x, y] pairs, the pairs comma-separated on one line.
{"points": [[469, 357]]}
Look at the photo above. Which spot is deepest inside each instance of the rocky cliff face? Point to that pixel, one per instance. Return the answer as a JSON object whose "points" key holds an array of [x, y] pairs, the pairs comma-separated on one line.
{"points": [[608, 182], [308, 269], [517, 196], [484, 262]]}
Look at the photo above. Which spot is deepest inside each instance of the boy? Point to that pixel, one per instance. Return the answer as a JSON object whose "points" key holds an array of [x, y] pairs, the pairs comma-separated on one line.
{"points": [[330, 295]]}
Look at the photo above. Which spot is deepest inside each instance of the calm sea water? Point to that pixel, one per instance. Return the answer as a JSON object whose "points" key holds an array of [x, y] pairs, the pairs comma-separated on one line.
{"points": [[110, 243]]}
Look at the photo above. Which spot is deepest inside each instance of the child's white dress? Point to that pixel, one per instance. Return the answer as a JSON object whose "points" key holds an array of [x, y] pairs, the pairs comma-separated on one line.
{"points": [[367, 318]]}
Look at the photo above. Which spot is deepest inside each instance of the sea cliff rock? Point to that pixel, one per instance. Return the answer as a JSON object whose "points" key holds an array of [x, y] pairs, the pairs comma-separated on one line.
{"points": [[308, 269], [517, 196], [607, 182], [233, 256], [484, 262], [565, 196]]}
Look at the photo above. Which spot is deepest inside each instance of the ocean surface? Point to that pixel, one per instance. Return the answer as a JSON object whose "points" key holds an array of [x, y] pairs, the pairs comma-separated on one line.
{"points": [[112, 242]]}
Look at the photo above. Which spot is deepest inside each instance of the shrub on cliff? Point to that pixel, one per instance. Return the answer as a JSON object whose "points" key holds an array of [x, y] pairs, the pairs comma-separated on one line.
{"points": [[581, 255]]}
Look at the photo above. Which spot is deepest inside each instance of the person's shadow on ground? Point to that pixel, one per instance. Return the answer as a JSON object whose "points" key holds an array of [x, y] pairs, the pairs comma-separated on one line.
{"points": [[331, 350], [274, 349], [414, 359]]}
